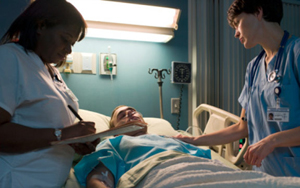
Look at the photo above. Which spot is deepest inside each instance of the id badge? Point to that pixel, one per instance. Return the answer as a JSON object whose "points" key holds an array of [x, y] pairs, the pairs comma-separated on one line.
{"points": [[71, 95], [278, 115]]}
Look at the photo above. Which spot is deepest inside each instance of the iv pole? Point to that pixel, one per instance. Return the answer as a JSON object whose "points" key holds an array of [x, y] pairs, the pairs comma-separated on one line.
{"points": [[159, 75]]}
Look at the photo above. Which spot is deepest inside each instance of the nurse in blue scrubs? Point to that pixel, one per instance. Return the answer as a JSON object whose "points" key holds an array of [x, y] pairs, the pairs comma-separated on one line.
{"points": [[270, 103]]}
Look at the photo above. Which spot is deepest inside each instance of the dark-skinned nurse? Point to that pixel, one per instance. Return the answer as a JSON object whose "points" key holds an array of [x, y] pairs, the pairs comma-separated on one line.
{"points": [[34, 99]]}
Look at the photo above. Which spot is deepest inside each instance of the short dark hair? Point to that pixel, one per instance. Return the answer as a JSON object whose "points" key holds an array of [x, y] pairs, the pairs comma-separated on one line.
{"points": [[272, 9], [50, 13]]}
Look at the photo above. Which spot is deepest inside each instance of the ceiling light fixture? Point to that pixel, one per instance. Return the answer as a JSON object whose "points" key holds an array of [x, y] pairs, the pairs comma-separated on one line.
{"points": [[127, 21]]}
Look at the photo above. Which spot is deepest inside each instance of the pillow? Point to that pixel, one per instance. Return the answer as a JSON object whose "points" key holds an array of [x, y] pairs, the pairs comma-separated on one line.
{"points": [[101, 121], [160, 126], [155, 125]]}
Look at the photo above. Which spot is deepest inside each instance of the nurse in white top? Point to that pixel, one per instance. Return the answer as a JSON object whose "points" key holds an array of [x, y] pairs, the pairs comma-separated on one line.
{"points": [[34, 99]]}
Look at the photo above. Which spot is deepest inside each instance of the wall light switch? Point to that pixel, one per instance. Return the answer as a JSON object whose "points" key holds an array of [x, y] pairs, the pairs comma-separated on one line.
{"points": [[175, 105]]}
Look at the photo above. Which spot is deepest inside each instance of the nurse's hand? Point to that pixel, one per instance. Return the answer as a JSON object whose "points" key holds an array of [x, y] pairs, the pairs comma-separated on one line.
{"points": [[80, 128], [187, 139], [85, 148], [258, 151]]}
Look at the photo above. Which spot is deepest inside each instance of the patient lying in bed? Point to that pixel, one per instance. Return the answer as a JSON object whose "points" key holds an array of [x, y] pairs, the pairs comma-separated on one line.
{"points": [[141, 160], [115, 156]]}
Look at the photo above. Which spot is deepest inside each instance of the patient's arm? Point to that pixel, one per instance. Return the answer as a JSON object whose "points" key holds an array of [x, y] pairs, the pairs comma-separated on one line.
{"points": [[223, 136], [100, 177]]}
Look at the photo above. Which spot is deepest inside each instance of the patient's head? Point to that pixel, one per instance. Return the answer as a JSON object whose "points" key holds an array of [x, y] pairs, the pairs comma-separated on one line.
{"points": [[124, 115]]}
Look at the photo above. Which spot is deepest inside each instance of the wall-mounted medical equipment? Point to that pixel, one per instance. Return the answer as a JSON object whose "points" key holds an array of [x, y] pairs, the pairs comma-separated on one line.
{"points": [[108, 63], [128, 21], [181, 72], [69, 62], [78, 62], [160, 75]]}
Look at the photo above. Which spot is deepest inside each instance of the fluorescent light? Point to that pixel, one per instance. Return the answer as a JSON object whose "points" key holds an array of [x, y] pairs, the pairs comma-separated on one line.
{"points": [[128, 32], [122, 20]]}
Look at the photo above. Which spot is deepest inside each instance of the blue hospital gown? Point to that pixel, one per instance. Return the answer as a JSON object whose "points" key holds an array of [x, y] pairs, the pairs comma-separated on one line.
{"points": [[122, 153], [283, 161]]}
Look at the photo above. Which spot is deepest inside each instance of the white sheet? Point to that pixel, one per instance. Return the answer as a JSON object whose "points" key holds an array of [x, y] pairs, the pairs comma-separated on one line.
{"points": [[189, 172]]}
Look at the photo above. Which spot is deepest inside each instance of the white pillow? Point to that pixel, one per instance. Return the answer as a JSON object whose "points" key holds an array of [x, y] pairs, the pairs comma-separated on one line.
{"points": [[155, 125], [101, 121], [160, 126]]}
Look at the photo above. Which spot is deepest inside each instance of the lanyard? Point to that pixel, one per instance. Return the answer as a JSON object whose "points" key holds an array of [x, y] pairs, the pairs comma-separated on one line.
{"points": [[273, 74]]}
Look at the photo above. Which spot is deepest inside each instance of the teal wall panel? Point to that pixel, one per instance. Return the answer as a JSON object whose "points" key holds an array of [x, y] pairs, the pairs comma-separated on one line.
{"points": [[132, 85]]}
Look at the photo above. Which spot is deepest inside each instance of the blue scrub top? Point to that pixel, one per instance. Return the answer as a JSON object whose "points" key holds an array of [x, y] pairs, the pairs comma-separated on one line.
{"points": [[283, 161], [122, 153]]}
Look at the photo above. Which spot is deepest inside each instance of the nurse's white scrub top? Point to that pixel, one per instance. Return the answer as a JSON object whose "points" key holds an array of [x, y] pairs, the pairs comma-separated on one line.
{"points": [[283, 161], [33, 99]]}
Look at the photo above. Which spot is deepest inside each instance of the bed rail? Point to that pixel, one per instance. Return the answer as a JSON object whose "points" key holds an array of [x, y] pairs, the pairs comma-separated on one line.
{"points": [[219, 119]]}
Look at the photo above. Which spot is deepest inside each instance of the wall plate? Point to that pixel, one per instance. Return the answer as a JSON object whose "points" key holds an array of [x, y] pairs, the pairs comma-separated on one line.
{"points": [[175, 105], [84, 63]]}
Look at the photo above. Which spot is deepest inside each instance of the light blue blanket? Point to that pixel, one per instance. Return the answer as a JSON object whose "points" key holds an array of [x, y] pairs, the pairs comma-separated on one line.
{"points": [[122, 153]]}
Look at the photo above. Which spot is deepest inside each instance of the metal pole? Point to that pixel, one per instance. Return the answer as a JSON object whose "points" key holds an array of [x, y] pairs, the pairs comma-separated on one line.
{"points": [[160, 100], [160, 76]]}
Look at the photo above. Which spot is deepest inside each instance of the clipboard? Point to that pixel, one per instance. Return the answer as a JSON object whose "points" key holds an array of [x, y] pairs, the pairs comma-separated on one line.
{"points": [[92, 137]]}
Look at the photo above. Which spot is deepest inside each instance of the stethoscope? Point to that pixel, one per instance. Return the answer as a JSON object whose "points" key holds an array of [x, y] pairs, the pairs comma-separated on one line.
{"points": [[273, 75], [57, 78]]}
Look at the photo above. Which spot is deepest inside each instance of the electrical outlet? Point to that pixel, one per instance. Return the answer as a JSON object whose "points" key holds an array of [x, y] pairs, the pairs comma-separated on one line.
{"points": [[175, 105]]}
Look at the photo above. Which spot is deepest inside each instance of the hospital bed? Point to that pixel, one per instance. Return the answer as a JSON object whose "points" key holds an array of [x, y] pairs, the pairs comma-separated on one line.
{"points": [[225, 159], [218, 119]]}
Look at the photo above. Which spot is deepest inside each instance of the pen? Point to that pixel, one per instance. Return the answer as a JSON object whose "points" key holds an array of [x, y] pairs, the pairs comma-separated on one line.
{"points": [[74, 112]]}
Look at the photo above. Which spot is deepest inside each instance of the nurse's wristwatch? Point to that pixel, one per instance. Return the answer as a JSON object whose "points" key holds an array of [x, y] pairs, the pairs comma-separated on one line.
{"points": [[57, 133]]}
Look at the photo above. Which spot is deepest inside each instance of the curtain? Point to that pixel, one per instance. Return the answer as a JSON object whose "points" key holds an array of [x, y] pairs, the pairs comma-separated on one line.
{"points": [[218, 59]]}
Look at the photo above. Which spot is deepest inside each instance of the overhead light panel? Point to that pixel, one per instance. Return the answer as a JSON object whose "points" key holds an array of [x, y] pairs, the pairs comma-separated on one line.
{"points": [[127, 21]]}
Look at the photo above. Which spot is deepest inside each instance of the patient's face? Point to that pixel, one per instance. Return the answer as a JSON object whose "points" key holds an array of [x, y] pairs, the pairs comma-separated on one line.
{"points": [[124, 115]]}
